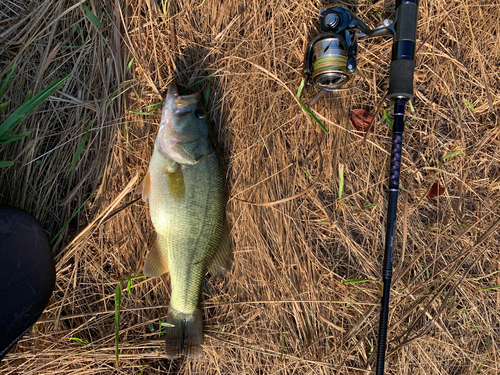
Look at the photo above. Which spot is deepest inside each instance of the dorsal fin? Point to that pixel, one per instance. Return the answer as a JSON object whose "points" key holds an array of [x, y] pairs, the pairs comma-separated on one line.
{"points": [[155, 265]]}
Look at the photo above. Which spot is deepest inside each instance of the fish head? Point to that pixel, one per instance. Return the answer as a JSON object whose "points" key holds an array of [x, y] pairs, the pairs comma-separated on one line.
{"points": [[183, 133]]}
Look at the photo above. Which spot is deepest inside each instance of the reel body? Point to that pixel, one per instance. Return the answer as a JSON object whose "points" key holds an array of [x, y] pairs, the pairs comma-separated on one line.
{"points": [[330, 60]]}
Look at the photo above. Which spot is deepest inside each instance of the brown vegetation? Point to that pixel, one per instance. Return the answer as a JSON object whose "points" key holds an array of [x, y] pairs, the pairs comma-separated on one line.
{"points": [[284, 307]]}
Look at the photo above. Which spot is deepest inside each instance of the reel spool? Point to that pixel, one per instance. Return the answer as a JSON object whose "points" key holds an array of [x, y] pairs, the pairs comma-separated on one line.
{"points": [[329, 62], [330, 58]]}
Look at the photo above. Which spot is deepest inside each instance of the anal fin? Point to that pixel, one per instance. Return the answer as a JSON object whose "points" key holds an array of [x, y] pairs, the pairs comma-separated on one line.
{"points": [[155, 265], [223, 258]]}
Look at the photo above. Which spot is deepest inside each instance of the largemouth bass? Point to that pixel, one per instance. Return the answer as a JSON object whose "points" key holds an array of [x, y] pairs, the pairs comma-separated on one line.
{"points": [[185, 186]]}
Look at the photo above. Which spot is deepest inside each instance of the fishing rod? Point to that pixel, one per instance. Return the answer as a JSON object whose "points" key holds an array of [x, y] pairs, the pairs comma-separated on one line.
{"points": [[330, 63]]}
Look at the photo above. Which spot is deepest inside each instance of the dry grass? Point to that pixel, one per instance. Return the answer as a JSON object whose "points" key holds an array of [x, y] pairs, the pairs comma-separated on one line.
{"points": [[283, 308]]}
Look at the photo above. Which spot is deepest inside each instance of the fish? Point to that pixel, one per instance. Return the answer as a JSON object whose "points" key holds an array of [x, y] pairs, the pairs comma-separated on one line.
{"points": [[185, 187]]}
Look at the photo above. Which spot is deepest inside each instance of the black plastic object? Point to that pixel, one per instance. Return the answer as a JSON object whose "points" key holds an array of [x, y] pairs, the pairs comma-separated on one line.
{"points": [[27, 274], [401, 79]]}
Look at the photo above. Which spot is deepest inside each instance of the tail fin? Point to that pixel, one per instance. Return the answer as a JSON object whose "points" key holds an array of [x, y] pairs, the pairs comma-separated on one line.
{"points": [[185, 335]]}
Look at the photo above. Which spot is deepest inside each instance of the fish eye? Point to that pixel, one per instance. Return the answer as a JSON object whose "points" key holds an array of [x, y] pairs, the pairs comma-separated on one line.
{"points": [[199, 113]]}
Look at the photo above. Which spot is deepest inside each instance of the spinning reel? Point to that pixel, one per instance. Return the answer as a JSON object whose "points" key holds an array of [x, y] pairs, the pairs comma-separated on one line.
{"points": [[330, 59]]}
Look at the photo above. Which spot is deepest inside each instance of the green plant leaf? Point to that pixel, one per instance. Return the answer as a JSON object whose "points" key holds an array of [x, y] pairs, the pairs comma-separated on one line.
{"points": [[30, 106], [304, 107], [4, 105], [151, 108], [129, 285], [79, 149], [118, 300], [5, 164], [341, 180], [207, 95], [387, 118], [490, 287], [353, 281], [129, 65], [15, 137], [5, 83], [92, 17], [307, 174], [80, 341], [412, 109], [29, 95], [471, 106], [301, 86], [186, 90], [282, 346], [454, 153]]}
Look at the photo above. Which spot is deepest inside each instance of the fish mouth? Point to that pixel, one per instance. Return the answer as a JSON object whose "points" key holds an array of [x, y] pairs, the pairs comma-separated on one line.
{"points": [[179, 105]]}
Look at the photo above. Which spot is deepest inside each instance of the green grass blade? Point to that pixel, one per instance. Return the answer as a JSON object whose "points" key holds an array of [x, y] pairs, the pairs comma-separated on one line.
{"points": [[5, 83], [80, 341], [309, 112], [207, 95], [5, 164], [387, 118], [353, 281], [71, 218], [205, 78], [140, 276], [129, 66], [412, 108], [151, 108], [118, 300], [15, 137], [30, 106], [79, 149], [186, 90], [282, 346], [301, 86], [129, 286], [307, 174], [491, 287], [471, 106], [341, 180], [92, 17], [454, 153], [4, 105]]}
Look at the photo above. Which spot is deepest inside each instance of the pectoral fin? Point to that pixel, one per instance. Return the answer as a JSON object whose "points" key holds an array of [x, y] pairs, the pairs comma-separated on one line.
{"points": [[223, 258], [175, 182], [155, 264], [145, 187]]}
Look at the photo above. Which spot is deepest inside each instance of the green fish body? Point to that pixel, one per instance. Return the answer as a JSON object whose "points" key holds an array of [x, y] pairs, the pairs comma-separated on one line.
{"points": [[185, 186]]}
